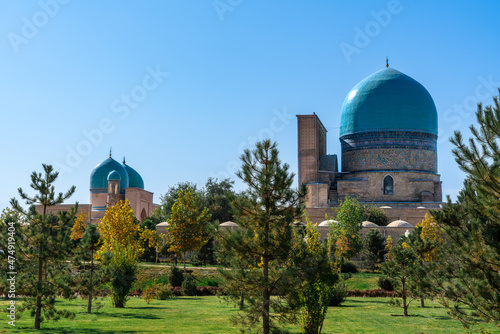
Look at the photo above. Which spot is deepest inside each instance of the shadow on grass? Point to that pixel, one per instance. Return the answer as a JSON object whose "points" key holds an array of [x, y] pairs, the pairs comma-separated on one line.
{"points": [[383, 301], [130, 316], [74, 331]]}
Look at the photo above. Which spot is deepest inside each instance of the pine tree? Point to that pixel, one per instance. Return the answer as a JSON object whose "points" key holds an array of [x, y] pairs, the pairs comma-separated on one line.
{"points": [[48, 243], [373, 252], [399, 266], [470, 264], [87, 277], [260, 249]]}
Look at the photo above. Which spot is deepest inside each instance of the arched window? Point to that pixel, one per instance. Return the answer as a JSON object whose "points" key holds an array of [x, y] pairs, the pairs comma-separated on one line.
{"points": [[388, 185]]}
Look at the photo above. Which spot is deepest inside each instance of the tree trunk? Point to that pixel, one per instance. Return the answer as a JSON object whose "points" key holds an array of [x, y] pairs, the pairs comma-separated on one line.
{"points": [[184, 260], [265, 297], [89, 305], [403, 292], [242, 300], [422, 304], [38, 311]]}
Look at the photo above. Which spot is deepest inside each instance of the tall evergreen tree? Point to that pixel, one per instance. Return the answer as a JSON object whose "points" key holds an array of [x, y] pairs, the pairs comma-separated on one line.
{"points": [[471, 260], [49, 243], [86, 277], [260, 248], [399, 266], [373, 252]]}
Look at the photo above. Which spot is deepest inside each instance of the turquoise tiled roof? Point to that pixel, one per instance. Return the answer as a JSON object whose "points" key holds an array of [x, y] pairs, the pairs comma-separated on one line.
{"points": [[99, 176], [388, 100], [114, 175], [135, 179]]}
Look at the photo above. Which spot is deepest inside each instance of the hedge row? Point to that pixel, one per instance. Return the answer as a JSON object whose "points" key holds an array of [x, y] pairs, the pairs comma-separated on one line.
{"points": [[371, 293]]}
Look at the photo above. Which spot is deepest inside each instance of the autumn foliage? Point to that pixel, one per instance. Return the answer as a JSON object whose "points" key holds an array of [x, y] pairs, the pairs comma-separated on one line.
{"points": [[188, 225], [79, 226], [119, 226]]}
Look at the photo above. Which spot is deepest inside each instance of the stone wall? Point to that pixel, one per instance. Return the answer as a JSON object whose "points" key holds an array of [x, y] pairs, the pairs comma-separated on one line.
{"points": [[394, 232], [317, 195], [311, 145], [54, 209], [389, 150], [408, 186], [410, 215]]}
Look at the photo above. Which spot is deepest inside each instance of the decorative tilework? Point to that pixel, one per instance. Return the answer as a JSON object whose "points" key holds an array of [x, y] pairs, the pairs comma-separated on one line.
{"points": [[389, 150]]}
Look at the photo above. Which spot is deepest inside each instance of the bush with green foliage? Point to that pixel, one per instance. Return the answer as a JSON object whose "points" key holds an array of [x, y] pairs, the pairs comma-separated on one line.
{"points": [[149, 254], [338, 294], [188, 287], [163, 291], [386, 283], [175, 276], [122, 268], [376, 215], [348, 267], [344, 239], [208, 281]]}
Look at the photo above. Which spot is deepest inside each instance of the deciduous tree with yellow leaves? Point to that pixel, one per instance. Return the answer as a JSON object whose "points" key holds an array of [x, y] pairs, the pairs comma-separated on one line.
{"points": [[188, 225], [121, 248], [119, 226]]}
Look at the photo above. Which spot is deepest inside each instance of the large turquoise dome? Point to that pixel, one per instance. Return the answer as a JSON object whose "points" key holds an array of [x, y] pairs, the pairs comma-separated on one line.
{"points": [[388, 100], [135, 179], [99, 176]]}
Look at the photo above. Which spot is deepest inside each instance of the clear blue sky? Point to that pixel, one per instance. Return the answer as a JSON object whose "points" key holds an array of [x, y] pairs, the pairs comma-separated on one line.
{"points": [[225, 73]]}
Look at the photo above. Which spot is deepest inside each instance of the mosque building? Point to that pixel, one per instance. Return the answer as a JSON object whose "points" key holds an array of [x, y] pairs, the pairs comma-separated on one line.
{"points": [[388, 136], [110, 182]]}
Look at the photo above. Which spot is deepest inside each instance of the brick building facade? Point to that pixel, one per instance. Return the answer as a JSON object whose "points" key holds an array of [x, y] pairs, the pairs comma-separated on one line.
{"points": [[388, 136]]}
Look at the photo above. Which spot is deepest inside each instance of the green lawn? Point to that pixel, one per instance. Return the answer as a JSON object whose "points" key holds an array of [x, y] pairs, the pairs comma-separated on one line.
{"points": [[363, 281], [211, 315]]}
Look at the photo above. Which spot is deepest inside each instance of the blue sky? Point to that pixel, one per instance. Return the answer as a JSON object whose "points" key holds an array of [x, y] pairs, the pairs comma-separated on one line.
{"points": [[180, 88]]}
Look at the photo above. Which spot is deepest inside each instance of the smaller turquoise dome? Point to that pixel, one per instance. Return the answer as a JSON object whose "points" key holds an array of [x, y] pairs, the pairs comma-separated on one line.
{"points": [[99, 176], [114, 176], [135, 179]]}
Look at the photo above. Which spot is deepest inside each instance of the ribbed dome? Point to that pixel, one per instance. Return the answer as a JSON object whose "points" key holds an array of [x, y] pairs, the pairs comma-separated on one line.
{"points": [[134, 178], [99, 176], [388, 100]]}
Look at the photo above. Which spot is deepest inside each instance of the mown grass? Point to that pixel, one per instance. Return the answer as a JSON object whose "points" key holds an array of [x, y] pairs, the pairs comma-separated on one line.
{"points": [[211, 315], [363, 281]]}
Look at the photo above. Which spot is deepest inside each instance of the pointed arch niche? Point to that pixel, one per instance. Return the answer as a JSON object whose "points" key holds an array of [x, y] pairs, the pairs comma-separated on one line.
{"points": [[388, 185]]}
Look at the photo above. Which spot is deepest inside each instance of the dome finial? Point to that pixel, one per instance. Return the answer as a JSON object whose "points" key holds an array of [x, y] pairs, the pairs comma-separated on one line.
{"points": [[124, 160], [386, 61]]}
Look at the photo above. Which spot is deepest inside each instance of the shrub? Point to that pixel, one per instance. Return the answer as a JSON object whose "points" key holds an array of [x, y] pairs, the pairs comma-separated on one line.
{"points": [[164, 291], [209, 291], [376, 215], [208, 281], [188, 287], [348, 267], [338, 294], [149, 294], [371, 293], [175, 276], [386, 283]]}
